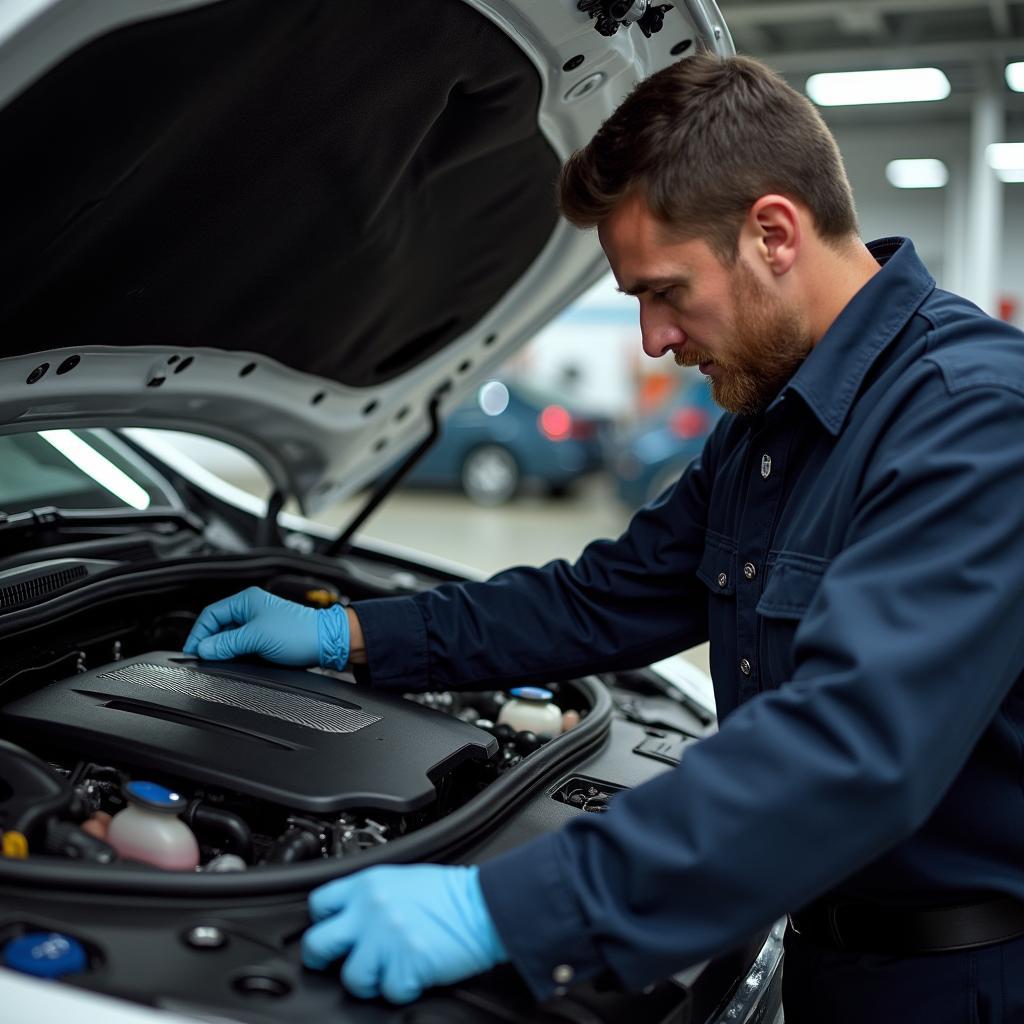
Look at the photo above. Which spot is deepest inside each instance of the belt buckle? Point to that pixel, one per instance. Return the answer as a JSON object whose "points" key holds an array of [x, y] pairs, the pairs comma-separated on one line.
{"points": [[829, 924]]}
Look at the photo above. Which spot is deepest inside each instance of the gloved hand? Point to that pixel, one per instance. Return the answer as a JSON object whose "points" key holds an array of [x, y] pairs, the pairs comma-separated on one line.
{"points": [[255, 622], [403, 928]]}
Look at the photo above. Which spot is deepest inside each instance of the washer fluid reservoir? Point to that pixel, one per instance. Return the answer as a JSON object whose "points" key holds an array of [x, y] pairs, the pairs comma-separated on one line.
{"points": [[149, 829], [531, 710]]}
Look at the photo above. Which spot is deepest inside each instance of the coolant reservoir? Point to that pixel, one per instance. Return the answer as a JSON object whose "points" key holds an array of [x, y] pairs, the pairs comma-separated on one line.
{"points": [[531, 710], [149, 829]]}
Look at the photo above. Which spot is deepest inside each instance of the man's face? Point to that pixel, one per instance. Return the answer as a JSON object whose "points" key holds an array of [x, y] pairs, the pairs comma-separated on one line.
{"points": [[723, 319]]}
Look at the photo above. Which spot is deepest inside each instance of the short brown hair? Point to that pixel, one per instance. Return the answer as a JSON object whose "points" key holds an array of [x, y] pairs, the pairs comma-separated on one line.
{"points": [[701, 141]]}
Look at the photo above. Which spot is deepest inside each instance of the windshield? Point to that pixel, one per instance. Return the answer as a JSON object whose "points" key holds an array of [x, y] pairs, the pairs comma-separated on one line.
{"points": [[75, 469]]}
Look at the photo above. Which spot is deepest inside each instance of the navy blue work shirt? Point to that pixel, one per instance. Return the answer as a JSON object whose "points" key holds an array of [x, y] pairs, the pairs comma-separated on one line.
{"points": [[855, 555]]}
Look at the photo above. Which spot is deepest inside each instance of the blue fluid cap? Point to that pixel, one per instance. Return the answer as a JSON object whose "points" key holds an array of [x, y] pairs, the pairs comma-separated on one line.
{"points": [[531, 693], [154, 797], [45, 955]]}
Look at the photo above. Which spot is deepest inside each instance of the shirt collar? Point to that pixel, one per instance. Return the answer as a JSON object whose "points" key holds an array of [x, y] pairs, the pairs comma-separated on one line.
{"points": [[830, 377]]}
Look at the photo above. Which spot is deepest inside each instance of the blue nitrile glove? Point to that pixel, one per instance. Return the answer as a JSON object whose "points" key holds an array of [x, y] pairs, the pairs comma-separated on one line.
{"points": [[255, 622], [403, 928]]}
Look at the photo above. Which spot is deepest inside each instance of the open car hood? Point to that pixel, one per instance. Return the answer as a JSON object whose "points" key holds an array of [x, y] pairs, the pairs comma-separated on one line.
{"points": [[289, 226]]}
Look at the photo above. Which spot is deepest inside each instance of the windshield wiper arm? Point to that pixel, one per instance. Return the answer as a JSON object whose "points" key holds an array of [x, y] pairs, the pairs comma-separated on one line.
{"points": [[49, 516]]}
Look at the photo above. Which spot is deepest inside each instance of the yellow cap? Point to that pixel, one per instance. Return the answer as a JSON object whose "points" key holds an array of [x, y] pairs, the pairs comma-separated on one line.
{"points": [[15, 845], [322, 597]]}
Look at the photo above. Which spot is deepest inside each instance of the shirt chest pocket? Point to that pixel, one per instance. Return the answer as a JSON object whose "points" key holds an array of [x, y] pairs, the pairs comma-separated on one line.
{"points": [[792, 582]]}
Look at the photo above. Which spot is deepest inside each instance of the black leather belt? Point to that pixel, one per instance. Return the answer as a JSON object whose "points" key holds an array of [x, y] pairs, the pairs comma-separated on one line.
{"points": [[864, 928]]}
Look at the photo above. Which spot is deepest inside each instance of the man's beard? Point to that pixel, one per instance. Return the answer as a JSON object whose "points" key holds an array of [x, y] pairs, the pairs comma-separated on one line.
{"points": [[768, 344]]}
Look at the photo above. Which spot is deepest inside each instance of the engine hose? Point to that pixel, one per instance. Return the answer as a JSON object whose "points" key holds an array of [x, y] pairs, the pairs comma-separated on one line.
{"points": [[37, 794], [203, 819], [295, 844]]}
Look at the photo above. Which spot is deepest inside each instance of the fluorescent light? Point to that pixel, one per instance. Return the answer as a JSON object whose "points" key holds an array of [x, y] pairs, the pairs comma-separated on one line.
{"points": [[1007, 160], [1015, 76], [98, 466], [1006, 156], [917, 173], [905, 85]]}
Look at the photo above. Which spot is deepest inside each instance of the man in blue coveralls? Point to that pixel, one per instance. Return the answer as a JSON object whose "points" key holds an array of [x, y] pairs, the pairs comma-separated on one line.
{"points": [[851, 542]]}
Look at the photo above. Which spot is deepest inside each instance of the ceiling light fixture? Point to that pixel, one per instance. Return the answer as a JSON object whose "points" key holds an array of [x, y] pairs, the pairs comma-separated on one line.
{"points": [[853, 88], [1007, 160], [917, 173]]}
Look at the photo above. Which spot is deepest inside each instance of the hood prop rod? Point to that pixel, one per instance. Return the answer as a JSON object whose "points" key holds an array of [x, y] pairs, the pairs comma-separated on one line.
{"points": [[342, 543], [269, 533]]}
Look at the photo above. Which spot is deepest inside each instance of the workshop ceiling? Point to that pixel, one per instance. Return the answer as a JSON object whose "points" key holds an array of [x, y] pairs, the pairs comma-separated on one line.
{"points": [[971, 40]]}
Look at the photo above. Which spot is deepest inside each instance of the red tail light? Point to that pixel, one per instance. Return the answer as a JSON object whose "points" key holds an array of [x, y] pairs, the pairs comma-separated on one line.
{"points": [[689, 423], [555, 423]]}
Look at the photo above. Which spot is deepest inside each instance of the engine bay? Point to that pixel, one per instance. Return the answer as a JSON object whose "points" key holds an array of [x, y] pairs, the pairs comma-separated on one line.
{"points": [[244, 763], [229, 749], [297, 739], [150, 800]]}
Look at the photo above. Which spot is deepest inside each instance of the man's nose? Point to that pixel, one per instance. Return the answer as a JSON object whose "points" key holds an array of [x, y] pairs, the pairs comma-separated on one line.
{"points": [[659, 334]]}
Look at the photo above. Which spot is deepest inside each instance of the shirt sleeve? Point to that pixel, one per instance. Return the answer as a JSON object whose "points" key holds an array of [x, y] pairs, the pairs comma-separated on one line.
{"points": [[907, 650], [623, 604]]}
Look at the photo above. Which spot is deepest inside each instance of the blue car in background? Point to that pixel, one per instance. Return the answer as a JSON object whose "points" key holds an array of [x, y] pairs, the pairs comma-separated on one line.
{"points": [[507, 436], [656, 450]]}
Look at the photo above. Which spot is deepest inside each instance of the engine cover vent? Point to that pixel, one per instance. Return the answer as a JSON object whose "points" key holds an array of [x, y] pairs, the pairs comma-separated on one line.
{"points": [[302, 740], [312, 713]]}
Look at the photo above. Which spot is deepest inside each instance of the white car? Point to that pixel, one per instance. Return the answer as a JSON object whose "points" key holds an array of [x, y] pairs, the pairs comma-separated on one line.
{"points": [[306, 229]]}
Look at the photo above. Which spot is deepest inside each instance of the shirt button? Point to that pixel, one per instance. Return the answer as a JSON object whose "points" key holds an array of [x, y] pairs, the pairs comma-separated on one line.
{"points": [[745, 667], [750, 570], [766, 466], [562, 974], [722, 579]]}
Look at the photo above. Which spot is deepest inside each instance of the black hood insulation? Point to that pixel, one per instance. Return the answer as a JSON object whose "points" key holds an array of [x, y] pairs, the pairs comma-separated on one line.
{"points": [[343, 187]]}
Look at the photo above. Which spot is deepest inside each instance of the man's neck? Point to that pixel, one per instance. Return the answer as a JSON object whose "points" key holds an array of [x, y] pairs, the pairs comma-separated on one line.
{"points": [[838, 276]]}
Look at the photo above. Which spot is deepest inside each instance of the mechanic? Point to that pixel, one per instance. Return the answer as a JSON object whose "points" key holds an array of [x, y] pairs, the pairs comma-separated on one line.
{"points": [[851, 542]]}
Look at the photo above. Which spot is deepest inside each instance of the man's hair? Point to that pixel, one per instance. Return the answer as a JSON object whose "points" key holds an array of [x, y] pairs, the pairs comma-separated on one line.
{"points": [[701, 141]]}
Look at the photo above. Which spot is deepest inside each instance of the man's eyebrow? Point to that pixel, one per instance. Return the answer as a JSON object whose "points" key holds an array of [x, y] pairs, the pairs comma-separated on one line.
{"points": [[652, 285]]}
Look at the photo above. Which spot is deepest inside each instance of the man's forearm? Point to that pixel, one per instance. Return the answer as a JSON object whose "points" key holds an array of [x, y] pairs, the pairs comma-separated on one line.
{"points": [[357, 644]]}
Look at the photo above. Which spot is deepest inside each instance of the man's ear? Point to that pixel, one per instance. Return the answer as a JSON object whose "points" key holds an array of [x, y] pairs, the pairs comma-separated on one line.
{"points": [[773, 233]]}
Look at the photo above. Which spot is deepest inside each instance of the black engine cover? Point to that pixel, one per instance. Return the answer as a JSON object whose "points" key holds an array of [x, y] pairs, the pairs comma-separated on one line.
{"points": [[299, 739]]}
